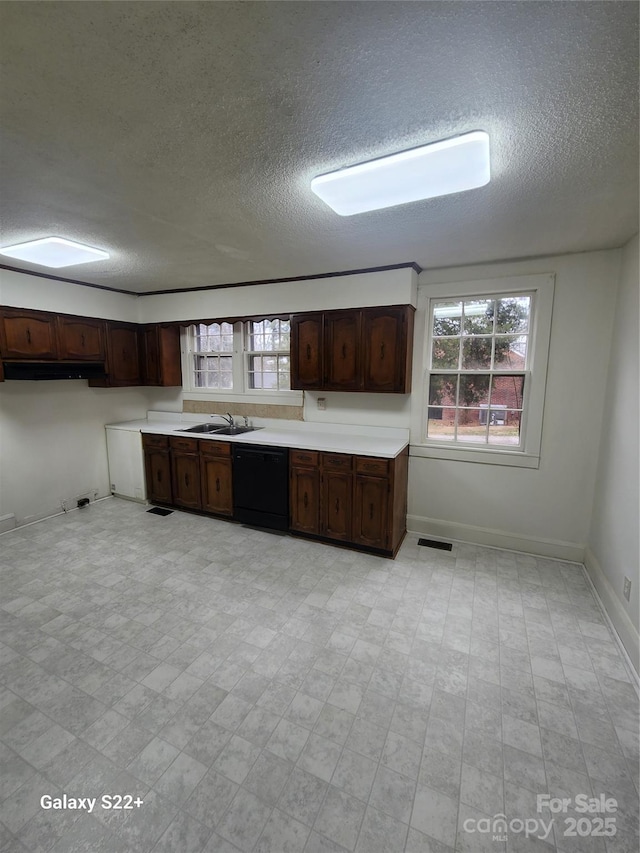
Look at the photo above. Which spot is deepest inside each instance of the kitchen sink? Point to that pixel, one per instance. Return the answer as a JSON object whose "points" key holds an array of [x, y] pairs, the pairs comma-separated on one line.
{"points": [[216, 429]]}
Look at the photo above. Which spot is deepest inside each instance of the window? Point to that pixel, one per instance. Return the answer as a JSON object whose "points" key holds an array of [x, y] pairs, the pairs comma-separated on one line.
{"points": [[478, 368], [240, 359], [212, 349], [267, 350], [485, 357]]}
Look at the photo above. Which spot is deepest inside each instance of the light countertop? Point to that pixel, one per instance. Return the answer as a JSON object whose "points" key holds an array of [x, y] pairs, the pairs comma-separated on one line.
{"points": [[333, 438]]}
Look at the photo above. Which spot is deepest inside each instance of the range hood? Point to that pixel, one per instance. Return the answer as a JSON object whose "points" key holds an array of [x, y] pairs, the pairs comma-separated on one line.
{"points": [[53, 370]]}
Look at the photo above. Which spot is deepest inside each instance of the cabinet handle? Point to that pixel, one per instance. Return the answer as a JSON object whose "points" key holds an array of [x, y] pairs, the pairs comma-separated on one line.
{"points": [[217, 484], [337, 505], [159, 476], [308, 352], [370, 511], [186, 479], [381, 352], [344, 350], [82, 340], [305, 500], [28, 336]]}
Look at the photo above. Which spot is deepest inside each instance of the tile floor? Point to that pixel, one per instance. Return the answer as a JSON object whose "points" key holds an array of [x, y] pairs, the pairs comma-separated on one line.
{"points": [[263, 693]]}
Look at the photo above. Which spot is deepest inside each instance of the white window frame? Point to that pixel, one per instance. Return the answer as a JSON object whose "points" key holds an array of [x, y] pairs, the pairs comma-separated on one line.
{"points": [[527, 454], [241, 393]]}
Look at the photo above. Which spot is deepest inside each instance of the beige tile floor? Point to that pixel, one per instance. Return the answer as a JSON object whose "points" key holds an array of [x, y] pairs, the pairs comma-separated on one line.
{"points": [[264, 693]]}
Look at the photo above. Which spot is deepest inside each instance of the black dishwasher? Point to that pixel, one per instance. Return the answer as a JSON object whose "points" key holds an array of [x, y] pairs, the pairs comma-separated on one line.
{"points": [[261, 485]]}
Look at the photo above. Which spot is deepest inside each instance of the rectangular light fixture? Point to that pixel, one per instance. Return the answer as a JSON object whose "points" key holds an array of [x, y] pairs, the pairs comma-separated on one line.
{"points": [[54, 252], [441, 168]]}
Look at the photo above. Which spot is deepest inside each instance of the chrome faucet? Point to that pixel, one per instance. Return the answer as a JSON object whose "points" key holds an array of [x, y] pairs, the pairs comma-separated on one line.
{"points": [[228, 418]]}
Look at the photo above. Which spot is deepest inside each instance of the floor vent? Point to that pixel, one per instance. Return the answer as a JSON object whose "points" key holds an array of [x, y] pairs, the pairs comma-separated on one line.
{"points": [[431, 543], [157, 510]]}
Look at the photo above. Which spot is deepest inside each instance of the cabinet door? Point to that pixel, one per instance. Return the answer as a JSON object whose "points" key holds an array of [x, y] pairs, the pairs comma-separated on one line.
{"points": [[370, 512], [342, 350], [185, 469], [28, 334], [386, 341], [81, 339], [304, 497], [158, 475], [306, 351], [216, 484], [124, 358], [336, 505], [161, 364]]}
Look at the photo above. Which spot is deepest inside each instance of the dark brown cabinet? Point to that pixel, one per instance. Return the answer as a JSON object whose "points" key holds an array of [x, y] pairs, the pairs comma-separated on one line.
{"points": [[307, 351], [304, 491], [185, 472], [216, 482], [157, 465], [81, 339], [26, 334], [358, 500], [342, 351], [123, 355], [361, 349], [336, 496], [161, 355]]}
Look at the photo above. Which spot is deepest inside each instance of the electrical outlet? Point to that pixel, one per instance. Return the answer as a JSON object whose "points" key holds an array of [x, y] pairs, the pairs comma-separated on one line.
{"points": [[322, 404], [627, 589]]}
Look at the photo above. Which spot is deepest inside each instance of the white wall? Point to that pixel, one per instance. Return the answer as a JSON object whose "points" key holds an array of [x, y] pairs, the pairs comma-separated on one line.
{"points": [[394, 287], [52, 439], [28, 291], [613, 551], [545, 510]]}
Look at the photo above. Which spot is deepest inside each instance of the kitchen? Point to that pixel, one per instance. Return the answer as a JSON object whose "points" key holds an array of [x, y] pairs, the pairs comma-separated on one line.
{"points": [[575, 502]]}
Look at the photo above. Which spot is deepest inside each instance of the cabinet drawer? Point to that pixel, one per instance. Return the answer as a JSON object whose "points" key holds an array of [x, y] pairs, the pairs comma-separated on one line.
{"points": [[186, 445], [155, 441], [304, 457], [214, 448], [336, 462], [369, 465]]}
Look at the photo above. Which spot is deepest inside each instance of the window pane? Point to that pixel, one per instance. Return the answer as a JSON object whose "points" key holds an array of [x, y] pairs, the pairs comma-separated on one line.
{"points": [[510, 352], [478, 316], [476, 353], [512, 314], [447, 318], [442, 389], [441, 423], [474, 389], [506, 430], [445, 352], [507, 391], [472, 425]]}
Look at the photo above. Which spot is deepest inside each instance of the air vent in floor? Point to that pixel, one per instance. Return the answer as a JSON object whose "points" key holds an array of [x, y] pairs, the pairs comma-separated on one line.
{"points": [[431, 543], [157, 510]]}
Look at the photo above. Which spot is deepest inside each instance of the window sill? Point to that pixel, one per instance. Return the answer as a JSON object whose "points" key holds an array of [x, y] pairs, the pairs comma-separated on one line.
{"points": [[486, 456], [275, 398]]}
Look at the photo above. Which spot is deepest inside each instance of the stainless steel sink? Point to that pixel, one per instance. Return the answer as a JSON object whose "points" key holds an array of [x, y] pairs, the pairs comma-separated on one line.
{"points": [[206, 428], [235, 430], [216, 429]]}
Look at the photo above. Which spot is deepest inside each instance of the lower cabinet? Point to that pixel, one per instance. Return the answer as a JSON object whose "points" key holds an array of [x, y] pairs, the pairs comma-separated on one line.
{"points": [[157, 466], [358, 500], [216, 483], [185, 472]]}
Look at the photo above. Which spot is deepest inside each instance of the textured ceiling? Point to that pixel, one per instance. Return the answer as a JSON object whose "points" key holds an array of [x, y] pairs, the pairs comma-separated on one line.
{"points": [[182, 136]]}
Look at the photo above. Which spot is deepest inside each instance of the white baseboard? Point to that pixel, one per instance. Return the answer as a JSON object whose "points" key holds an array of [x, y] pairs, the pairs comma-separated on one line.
{"points": [[614, 609], [571, 551], [7, 522]]}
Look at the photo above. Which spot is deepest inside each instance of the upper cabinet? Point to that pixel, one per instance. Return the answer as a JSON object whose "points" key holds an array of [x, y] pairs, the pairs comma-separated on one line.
{"points": [[161, 355], [362, 349], [28, 334], [81, 339]]}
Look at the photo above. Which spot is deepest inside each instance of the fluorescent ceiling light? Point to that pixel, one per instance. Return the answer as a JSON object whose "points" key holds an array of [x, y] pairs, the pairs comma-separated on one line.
{"points": [[54, 252], [442, 168]]}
